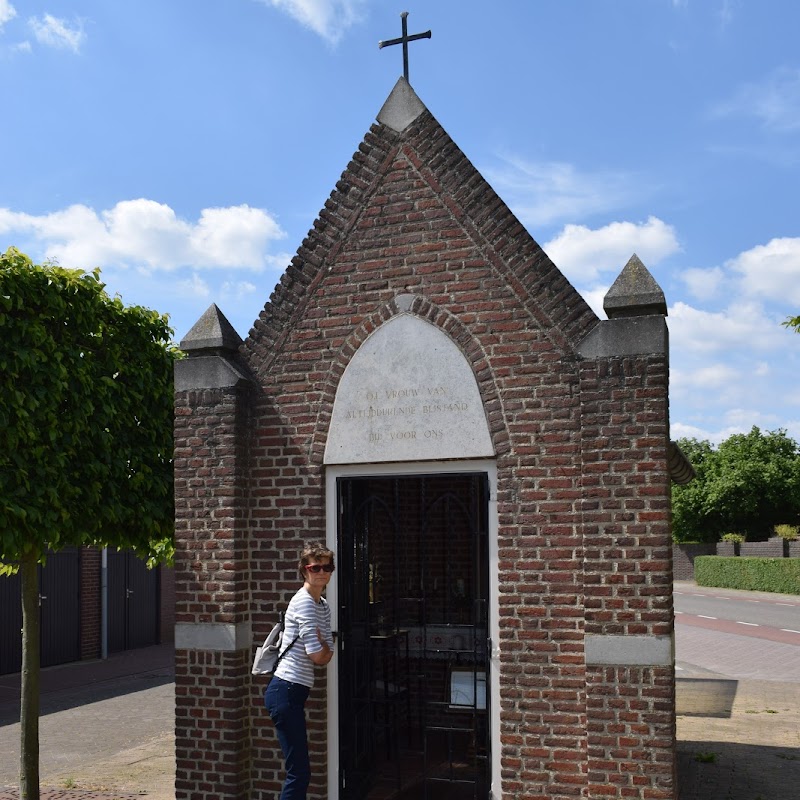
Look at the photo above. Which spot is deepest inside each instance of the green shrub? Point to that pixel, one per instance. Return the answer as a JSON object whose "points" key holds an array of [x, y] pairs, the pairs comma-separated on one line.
{"points": [[789, 532], [732, 537], [756, 574]]}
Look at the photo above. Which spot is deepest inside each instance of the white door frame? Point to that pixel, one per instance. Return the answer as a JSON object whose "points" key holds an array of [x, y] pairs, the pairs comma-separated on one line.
{"points": [[487, 467]]}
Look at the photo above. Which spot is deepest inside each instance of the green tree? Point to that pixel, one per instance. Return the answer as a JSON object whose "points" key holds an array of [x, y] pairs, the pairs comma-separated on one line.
{"points": [[86, 405], [690, 514], [750, 483], [792, 322]]}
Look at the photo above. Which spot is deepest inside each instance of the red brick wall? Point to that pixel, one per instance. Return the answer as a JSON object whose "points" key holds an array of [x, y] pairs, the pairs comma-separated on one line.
{"points": [[90, 603], [581, 467], [212, 732], [425, 244], [628, 571], [683, 556]]}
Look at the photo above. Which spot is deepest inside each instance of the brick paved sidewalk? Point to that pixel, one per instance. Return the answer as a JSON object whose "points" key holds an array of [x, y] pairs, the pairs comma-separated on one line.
{"points": [[742, 741], [82, 746]]}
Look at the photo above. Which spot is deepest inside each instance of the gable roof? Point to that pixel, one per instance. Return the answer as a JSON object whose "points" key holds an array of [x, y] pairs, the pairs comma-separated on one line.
{"points": [[406, 129]]}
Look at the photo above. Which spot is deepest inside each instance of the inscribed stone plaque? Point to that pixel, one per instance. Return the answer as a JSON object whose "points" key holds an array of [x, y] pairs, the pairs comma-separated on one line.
{"points": [[408, 394]]}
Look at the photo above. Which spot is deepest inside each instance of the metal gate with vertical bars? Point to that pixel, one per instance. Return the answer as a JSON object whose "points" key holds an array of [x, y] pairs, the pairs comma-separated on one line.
{"points": [[413, 584]]}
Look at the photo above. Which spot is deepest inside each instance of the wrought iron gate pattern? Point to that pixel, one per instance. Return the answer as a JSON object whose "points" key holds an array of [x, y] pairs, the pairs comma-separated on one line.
{"points": [[413, 587]]}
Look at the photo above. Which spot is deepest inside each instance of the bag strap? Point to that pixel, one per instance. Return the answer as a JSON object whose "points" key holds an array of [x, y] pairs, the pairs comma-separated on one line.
{"points": [[281, 655], [282, 620]]}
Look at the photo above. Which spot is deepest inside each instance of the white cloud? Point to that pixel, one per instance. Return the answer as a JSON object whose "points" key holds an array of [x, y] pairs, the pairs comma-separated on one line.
{"points": [[775, 102], [582, 253], [741, 327], [54, 32], [703, 283], [771, 270], [193, 286], [327, 18], [237, 290], [734, 420], [149, 234], [680, 430], [726, 13], [594, 297], [709, 377], [717, 385], [7, 12], [549, 192]]}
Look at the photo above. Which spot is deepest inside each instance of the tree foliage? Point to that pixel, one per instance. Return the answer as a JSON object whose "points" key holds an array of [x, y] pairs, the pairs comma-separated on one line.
{"points": [[793, 322], [85, 415], [747, 485], [86, 405]]}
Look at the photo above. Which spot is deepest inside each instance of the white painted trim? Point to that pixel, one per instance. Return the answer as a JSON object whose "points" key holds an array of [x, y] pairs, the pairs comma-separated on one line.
{"points": [[416, 468]]}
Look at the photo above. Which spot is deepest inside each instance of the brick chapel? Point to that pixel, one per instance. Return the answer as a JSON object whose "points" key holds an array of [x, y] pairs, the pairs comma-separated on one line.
{"points": [[490, 463]]}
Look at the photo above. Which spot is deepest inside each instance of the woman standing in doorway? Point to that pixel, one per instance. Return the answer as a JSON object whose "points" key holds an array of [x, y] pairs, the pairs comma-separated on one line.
{"points": [[307, 642]]}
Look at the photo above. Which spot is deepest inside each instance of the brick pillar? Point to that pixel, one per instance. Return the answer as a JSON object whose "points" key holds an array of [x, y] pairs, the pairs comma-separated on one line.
{"points": [[630, 673], [212, 623], [90, 603]]}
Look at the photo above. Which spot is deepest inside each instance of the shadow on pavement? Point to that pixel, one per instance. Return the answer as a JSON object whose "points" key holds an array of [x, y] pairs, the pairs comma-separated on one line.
{"points": [[82, 682], [732, 771], [92, 693]]}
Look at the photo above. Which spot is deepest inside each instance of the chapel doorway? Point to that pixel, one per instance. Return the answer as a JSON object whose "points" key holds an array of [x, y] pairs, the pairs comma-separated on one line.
{"points": [[413, 589]]}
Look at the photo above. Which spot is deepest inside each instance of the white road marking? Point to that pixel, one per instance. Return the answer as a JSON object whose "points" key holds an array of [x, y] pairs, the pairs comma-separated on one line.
{"points": [[705, 617], [679, 612], [753, 624], [789, 630]]}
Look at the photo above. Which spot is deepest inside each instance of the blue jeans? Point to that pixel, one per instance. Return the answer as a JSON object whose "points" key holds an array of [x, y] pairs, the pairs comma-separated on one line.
{"points": [[285, 702]]}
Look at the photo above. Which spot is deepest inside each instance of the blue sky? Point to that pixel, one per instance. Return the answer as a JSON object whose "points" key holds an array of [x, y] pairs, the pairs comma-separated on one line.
{"points": [[186, 146]]}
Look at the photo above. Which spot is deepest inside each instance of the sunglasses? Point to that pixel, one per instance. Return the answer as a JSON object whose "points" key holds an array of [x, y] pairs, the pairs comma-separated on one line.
{"points": [[319, 567]]}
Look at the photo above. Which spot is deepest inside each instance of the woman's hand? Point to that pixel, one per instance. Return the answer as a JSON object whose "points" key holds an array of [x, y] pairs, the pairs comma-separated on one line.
{"points": [[321, 657]]}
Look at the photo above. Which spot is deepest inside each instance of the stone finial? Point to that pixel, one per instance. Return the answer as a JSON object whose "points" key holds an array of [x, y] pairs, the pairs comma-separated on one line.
{"points": [[634, 293], [401, 108], [212, 333]]}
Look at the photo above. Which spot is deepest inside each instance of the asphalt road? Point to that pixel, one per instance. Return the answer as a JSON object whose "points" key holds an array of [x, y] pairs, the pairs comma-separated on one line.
{"points": [[738, 635], [753, 615], [722, 604]]}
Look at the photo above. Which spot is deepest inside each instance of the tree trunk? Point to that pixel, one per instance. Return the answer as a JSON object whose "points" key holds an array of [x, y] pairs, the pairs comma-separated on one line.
{"points": [[29, 700]]}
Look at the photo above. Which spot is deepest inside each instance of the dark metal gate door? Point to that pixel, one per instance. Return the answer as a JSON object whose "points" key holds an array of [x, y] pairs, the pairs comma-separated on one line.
{"points": [[10, 624], [60, 613], [60, 603], [132, 602], [413, 582]]}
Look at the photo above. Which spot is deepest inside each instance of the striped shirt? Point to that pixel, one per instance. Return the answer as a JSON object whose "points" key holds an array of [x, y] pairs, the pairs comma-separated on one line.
{"points": [[303, 617]]}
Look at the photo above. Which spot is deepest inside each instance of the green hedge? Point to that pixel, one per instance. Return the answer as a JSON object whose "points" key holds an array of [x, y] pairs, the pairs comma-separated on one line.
{"points": [[742, 572]]}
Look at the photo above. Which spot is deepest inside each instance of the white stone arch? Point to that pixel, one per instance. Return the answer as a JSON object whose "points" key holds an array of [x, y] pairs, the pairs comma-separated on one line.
{"points": [[408, 394]]}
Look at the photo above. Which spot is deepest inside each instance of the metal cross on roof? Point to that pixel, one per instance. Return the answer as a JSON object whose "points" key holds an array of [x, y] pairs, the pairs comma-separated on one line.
{"points": [[404, 40]]}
